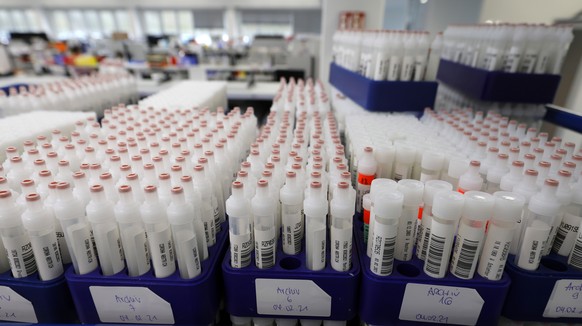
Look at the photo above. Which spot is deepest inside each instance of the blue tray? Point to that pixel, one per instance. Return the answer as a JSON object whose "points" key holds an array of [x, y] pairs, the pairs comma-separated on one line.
{"points": [[381, 296], [383, 96], [498, 86], [341, 286], [193, 302], [530, 290], [51, 299]]}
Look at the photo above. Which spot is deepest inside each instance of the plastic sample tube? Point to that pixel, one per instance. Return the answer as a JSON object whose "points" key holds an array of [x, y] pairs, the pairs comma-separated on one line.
{"points": [[412, 191], [477, 210], [542, 210], [181, 219], [239, 213], [377, 185], [193, 199], [447, 209], [263, 208], [315, 207], [342, 212], [71, 214], [431, 188], [506, 212], [367, 167], [291, 198], [471, 180], [15, 238], [41, 231], [405, 156], [568, 230], [431, 166], [133, 235], [495, 172], [387, 215], [159, 233], [208, 216], [105, 232]]}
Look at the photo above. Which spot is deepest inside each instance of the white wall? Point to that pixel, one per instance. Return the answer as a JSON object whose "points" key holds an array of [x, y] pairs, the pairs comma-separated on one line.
{"points": [[441, 13], [259, 4], [538, 11], [330, 12]]}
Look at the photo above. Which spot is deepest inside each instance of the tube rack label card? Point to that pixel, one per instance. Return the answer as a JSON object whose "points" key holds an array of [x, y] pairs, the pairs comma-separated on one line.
{"points": [[565, 300], [291, 298], [131, 305], [15, 308], [441, 304]]}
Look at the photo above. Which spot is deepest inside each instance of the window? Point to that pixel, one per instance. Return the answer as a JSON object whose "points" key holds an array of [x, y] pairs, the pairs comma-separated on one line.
{"points": [[169, 22], [17, 20], [88, 23], [266, 22]]}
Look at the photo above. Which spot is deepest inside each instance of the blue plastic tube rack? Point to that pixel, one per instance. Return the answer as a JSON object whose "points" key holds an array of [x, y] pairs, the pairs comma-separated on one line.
{"points": [[498, 86], [383, 96], [342, 287], [51, 299], [193, 302], [381, 297], [530, 291]]}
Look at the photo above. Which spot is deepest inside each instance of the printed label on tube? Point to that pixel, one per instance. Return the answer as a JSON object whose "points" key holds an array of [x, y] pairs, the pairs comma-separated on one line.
{"points": [[566, 234], [80, 238], [532, 245], [47, 256], [341, 246], [265, 248], [20, 255], [292, 232], [382, 260], [439, 249], [162, 252], [240, 250], [64, 249], [495, 252], [315, 243], [188, 256], [466, 251], [406, 232]]}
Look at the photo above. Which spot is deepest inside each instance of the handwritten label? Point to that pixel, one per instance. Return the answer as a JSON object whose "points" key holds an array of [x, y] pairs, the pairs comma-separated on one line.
{"points": [[131, 305], [441, 304], [565, 300], [291, 298], [14, 307]]}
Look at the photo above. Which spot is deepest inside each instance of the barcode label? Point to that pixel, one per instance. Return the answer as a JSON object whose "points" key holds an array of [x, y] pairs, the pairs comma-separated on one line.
{"points": [[560, 237], [464, 258], [216, 215], [436, 247], [575, 258], [423, 237], [265, 248], [63, 248], [240, 250], [20, 255], [383, 245]]}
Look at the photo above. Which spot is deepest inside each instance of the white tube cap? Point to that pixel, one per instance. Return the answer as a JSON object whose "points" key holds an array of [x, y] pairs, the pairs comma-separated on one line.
{"points": [[413, 190], [478, 205], [388, 203], [448, 205], [432, 187], [432, 161], [381, 183], [508, 206]]}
